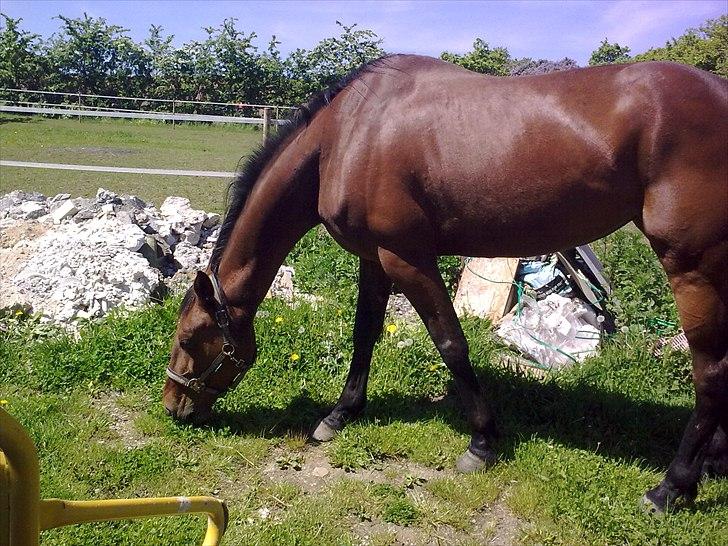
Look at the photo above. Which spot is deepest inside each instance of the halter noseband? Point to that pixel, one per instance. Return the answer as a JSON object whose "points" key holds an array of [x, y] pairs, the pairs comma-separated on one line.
{"points": [[229, 348]]}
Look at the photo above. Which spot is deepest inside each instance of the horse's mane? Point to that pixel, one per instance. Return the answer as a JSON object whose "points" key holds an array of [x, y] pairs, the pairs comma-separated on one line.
{"points": [[248, 174]]}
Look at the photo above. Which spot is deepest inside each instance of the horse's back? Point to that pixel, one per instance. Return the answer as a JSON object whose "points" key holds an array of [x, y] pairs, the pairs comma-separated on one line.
{"points": [[470, 161]]}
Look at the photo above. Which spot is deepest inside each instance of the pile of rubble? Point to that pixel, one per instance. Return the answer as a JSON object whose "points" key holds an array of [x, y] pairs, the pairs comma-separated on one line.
{"points": [[71, 258]]}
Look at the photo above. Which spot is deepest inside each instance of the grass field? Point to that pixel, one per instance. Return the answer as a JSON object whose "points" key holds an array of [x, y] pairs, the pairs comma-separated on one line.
{"points": [[577, 449], [122, 143]]}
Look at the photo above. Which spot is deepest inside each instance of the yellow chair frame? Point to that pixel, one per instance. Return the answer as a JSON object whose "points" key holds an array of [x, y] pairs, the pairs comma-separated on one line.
{"points": [[23, 514]]}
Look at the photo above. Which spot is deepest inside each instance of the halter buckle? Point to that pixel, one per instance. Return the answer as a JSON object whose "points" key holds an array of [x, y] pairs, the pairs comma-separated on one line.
{"points": [[195, 384]]}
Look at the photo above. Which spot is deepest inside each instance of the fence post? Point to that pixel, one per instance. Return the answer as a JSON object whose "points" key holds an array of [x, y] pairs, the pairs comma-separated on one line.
{"points": [[266, 123], [79, 106], [173, 112]]}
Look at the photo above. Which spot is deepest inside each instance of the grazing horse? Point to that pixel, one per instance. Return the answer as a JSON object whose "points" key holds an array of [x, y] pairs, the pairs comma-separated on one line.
{"points": [[409, 158]]}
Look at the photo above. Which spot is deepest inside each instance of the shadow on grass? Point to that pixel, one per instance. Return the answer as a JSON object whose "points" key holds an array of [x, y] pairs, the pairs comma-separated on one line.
{"points": [[580, 416], [5, 118]]}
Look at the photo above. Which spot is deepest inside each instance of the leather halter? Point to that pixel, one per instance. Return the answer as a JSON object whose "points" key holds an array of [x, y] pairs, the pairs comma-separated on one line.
{"points": [[229, 349]]}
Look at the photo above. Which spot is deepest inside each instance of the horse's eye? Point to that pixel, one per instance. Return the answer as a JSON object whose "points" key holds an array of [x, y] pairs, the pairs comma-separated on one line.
{"points": [[185, 344]]}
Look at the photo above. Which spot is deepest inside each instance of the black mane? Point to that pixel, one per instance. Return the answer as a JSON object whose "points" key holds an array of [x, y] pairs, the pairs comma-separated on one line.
{"points": [[248, 175]]}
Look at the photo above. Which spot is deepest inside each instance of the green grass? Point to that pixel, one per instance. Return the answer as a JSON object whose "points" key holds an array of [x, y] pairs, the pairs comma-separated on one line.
{"points": [[577, 449], [123, 143]]}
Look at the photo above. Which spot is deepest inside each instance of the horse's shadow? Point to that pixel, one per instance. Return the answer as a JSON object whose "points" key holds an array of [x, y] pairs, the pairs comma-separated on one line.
{"points": [[580, 416]]}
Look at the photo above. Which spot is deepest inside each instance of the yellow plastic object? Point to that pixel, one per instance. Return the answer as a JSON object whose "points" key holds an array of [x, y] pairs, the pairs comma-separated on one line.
{"points": [[23, 515]]}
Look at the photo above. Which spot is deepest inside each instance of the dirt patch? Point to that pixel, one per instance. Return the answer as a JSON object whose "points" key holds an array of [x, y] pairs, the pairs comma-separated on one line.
{"points": [[493, 525], [399, 307], [98, 150], [15, 250], [507, 525], [20, 230], [121, 420]]}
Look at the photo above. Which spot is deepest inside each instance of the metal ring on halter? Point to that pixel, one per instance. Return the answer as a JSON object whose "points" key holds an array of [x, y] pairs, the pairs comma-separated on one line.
{"points": [[222, 318]]}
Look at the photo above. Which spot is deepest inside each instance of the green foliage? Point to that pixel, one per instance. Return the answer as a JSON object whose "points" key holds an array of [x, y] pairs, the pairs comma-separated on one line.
{"points": [[482, 59], [642, 296], [608, 53], [310, 71], [705, 47], [91, 56], [22, 64]]}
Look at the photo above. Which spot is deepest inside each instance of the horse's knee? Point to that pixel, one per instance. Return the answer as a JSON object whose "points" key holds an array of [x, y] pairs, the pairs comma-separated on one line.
{"points": [[454, 352]]}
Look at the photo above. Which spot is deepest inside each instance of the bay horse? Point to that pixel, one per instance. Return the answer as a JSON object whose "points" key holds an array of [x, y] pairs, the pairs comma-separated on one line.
{"points": [[410, 157]]}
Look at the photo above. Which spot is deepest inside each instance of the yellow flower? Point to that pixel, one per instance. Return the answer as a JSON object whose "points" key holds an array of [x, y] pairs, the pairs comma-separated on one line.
{"points": [[3, 402], [279, 319], [295, 356], [433, 367], [391, 328], [19, 312]]}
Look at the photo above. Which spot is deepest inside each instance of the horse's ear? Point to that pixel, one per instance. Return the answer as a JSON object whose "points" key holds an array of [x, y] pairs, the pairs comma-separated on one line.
{"points": [[203, 289]]}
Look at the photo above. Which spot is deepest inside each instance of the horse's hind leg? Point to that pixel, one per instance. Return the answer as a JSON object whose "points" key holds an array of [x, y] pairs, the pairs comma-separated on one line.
{"points": [[696, 266], [418, 277], [374, 287]]}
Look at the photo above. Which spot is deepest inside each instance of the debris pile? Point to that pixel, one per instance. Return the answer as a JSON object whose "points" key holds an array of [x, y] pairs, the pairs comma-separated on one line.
{"points": [[77, 258], [550, 308]]}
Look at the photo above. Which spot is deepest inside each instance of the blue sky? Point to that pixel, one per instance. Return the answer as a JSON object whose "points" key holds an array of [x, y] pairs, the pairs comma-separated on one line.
{"points": [[539, 29]]}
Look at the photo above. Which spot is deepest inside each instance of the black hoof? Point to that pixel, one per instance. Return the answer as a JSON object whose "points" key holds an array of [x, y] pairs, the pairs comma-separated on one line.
{"points": [[470, 462], [650, 507], [324, 432]]}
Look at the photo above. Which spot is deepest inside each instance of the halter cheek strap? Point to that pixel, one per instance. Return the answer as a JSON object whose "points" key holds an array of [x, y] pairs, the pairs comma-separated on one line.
{"points": [[228, 352]]}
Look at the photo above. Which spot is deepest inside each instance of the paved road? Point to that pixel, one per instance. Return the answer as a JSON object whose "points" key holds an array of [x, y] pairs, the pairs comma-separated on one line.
{"points": [[102, 169]]}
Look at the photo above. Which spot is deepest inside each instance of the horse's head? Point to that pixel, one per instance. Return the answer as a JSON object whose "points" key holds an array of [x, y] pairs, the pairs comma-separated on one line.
{"points": [[213, 348]]}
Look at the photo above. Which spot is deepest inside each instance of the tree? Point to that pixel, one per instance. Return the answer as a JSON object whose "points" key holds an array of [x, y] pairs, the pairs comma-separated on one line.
{"points": [[608, 53], [705, 47], [22, 63], [481, 59], [90, 56], [330, 60], [528, 66]]}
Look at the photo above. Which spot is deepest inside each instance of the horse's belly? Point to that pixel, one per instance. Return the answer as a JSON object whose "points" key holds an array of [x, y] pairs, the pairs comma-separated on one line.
{"points": [[509, 220]]}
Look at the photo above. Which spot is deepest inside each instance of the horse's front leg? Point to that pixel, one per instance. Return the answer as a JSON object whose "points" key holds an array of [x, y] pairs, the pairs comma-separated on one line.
{"points": [[374, 288], [417, 275]]}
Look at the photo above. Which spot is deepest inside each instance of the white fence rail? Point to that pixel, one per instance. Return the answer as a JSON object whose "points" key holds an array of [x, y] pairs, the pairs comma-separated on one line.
{"points": [[269, 114], [70, 111]]}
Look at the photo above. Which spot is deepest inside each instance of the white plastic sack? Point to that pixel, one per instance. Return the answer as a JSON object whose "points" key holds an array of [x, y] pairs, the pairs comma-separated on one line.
{"points": [[555, 331]]}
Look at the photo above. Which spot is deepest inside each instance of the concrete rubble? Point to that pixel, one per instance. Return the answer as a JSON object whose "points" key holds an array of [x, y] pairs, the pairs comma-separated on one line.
{"points": [[71, 259]]}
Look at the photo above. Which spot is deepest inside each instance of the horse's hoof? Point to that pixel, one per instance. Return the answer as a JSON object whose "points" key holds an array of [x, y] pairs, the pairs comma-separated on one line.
{"points": [[650, 507], [470, 462], [324, 433]]}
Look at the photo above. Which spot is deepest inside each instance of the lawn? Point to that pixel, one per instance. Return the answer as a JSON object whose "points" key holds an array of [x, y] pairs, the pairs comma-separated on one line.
{"points": [[578, 448], [123, 143]]}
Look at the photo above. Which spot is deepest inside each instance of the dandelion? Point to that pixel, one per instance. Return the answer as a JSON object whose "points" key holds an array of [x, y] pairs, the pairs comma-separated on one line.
{"points": [[391, 328], [3, 402], [279, 319], [295, 357], [433, 367]]}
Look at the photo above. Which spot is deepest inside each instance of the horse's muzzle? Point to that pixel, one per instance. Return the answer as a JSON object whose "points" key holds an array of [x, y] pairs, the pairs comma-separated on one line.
{"points": [[184, 409]]}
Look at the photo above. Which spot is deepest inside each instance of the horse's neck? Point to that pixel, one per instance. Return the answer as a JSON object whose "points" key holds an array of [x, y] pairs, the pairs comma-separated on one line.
{"points": [[281, 208]]}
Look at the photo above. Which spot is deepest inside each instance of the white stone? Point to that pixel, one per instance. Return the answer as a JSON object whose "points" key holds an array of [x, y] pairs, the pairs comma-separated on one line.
{"points": [[212, 219], [320, 471], [106, 196], [191, 235], [66, 210], [30, 210], [190, 257]]}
